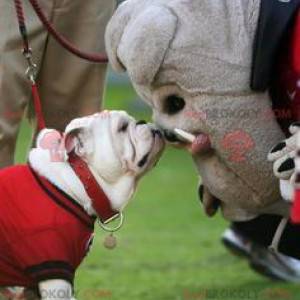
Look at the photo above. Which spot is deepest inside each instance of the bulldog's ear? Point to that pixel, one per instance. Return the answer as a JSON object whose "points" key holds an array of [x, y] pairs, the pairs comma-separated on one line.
{"points": [[48, 138], [78, 137], [138, 42]]}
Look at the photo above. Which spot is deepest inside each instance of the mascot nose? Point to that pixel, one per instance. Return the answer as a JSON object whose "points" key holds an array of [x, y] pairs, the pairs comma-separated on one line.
{"points": [[170, 136]]}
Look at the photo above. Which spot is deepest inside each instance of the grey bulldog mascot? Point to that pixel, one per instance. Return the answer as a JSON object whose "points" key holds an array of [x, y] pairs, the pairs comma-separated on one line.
{"points": [[208, 70]]}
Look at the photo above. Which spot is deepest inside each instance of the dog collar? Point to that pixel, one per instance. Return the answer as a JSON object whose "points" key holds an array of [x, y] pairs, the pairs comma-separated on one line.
{"points": [[100, 201]]}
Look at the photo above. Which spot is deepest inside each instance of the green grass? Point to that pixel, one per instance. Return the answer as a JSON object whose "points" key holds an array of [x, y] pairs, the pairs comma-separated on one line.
{"points": [[167, 248]]}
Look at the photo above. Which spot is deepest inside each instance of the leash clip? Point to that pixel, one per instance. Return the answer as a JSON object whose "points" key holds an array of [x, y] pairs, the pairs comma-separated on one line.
{"points": [[31, 71]]}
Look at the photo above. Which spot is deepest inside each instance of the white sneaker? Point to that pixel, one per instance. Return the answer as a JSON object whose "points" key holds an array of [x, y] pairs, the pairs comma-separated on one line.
{"points": [[262, 260], [236, 243]]}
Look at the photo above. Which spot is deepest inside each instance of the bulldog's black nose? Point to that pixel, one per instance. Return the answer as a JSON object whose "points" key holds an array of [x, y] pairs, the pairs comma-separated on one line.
{"points": [[141, 122], [156, 132], [170, 136]]}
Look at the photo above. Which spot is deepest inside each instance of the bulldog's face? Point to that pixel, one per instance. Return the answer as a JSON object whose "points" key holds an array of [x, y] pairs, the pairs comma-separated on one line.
{"points": [[115, 145]]}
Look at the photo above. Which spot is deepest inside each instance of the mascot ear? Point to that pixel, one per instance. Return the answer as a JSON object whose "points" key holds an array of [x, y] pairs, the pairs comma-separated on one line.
{"points": [[139, 44], [78, 137]]}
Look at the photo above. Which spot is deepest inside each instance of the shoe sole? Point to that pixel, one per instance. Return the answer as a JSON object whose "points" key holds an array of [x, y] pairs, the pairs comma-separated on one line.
{"points": [[257, 264], [235, 249], [264, 271], [256, 267]]}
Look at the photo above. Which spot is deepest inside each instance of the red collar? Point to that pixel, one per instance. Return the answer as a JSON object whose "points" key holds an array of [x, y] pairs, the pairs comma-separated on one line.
{"points": [[100, 201]]}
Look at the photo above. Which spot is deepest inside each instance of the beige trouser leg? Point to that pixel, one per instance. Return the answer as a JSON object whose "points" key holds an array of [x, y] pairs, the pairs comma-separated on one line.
{"points": [[14, 89], [69, 87]]}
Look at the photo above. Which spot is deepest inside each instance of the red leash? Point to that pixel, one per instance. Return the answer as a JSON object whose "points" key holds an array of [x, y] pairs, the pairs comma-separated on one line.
{"points": [[38, 107], [32, 68], [92, 57], [64, 42]]}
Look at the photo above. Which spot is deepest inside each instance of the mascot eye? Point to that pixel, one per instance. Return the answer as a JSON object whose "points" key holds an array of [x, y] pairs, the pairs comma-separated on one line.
{"points": [[124, 127], [174, 104]]}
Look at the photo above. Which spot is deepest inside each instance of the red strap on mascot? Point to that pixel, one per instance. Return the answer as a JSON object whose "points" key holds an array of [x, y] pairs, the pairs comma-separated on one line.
{"points": [[295, 57]]}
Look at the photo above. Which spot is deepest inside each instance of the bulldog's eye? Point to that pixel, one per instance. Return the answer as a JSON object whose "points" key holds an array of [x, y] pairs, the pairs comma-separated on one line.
{"points": [[124, 127], [173, 104], [144, 160]]}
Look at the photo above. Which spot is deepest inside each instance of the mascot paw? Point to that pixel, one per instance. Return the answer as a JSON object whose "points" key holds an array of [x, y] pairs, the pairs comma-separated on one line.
{"points": [[286, 164], [283, 154]]}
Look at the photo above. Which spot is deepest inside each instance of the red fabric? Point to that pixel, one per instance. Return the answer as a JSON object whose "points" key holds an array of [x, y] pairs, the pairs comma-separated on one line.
{"points": [[43, 233], [101, 203], [295, 215]]}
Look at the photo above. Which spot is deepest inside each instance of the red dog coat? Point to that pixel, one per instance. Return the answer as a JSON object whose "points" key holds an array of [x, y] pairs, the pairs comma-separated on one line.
{"points": [[44, 233]]}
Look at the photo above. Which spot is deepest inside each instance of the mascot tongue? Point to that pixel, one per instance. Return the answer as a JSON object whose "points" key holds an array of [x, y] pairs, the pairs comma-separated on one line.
{"points": [[200, 144]]}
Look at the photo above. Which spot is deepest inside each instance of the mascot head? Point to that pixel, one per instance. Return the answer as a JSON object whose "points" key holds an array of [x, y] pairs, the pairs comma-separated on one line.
{"points": [[190, 60]]}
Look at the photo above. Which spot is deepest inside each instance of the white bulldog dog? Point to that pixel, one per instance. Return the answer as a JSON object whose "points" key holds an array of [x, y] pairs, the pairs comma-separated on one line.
{"points": [[191, 61], [90, 172]]}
